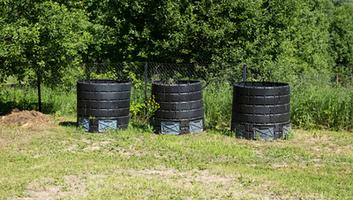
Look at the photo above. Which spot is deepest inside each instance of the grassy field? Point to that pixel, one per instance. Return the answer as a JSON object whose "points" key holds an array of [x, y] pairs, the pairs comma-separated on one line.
{"points": [[63, 162]]}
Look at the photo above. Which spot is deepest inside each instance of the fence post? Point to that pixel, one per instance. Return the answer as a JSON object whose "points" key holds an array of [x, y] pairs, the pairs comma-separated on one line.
{"points": [[244, 72], [145, 79]]}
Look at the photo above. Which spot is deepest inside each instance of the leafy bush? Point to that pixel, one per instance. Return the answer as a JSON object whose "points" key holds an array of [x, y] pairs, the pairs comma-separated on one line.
{"points": [[341, 33]]}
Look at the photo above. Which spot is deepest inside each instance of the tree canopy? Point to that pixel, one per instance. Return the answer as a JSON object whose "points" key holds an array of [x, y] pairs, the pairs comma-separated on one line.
{"points": [[42, 37], [278, 39]]}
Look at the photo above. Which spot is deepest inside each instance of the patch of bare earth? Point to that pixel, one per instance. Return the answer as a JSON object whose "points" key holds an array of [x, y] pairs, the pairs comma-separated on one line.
{"points": [[26, 119], [88, 145], [208, 185], [20, 126], [46, 189], [96, 146], [322, 142], [16, 136], [2, 142]]}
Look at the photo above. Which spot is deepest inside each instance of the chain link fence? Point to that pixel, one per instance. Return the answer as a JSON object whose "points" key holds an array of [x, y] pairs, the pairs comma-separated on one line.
{"points": [[142, 74], [317, 99], [23, 94]]}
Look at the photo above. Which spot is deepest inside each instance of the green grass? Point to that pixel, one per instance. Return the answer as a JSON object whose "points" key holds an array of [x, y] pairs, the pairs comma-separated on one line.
{"points": [[323, 106], [134, 164], [67, 163], [218, 105], [312, 105], [55, 101]]}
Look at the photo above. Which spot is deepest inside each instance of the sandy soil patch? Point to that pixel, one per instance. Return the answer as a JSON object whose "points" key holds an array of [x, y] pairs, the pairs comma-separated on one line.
{"points": [[47, 189]]}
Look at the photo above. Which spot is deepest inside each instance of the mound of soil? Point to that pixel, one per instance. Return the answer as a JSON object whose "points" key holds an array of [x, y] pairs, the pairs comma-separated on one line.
{"points": [[31, 119]]}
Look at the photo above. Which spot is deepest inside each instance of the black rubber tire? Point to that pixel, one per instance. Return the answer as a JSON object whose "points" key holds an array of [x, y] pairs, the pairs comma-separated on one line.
{"points": [[103, 100], [104, 112], [178, 87], [178, 97], [179, 115], [180, 106], [180, 102], [103, 86], [252, 118], [262, 89], [177, 120], [104, 104], [262, 105], [263, 109], [104, 96], [262, 100]]}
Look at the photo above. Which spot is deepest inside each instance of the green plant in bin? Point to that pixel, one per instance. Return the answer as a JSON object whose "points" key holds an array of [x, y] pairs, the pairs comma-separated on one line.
{"points": [[145, 110], [136, 82], [136, 108], [151, 107]]}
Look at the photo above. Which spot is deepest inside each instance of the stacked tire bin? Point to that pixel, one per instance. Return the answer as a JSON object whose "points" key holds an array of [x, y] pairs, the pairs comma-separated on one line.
{"points": [[103, 104], [180, 107], [261, 110]]}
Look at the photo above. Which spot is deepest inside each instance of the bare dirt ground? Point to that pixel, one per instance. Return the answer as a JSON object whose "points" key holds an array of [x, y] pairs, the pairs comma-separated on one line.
{"points": [[26, 119], [212, 186], [46, 189]]}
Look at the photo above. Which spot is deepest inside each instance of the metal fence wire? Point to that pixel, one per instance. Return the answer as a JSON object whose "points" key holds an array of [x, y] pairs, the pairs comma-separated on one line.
{"points": [[147, 70], [217, 80], [142, 74]]}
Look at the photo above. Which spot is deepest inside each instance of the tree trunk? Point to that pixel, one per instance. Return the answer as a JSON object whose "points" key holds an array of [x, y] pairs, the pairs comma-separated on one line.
{"points": [[145, 77], [39, 79]]}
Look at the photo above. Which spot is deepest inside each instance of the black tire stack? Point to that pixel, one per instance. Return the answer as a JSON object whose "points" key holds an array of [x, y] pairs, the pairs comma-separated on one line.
{"points": [[103, 104], [181, 107], [261, 110]]}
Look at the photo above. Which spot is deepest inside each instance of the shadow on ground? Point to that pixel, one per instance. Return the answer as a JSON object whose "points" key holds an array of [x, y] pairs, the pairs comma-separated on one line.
{"points": [[68, 124], [139, 125]]}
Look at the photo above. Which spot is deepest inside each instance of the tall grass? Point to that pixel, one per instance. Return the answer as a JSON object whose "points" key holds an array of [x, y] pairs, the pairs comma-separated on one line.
{"points": [[312, 105], [218, 105], [323, 106], [55, 101]]}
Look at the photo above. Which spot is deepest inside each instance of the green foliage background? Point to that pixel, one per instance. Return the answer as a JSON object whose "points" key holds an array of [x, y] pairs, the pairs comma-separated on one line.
{"points": [[296, 41], [278, 39]]}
